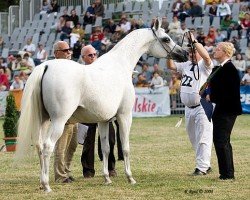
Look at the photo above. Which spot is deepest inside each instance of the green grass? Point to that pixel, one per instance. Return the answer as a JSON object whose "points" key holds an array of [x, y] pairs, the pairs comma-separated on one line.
{"points": [[161, 161]]}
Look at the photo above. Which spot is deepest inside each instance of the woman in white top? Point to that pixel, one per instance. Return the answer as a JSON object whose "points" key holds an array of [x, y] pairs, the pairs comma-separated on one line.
{"points": [[157, 81], [174, 26], [41, 55], [240, 64]]}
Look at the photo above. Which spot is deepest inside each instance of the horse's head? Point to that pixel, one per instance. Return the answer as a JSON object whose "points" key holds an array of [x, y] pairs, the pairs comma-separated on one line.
{"points": [[164, 46]]}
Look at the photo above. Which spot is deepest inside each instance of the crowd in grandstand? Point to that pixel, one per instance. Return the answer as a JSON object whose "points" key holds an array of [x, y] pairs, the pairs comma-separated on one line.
{"points": [[72, 29]]}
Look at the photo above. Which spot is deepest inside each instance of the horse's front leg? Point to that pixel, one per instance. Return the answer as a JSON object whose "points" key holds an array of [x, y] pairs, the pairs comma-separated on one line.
{"points": [[104, 136], [125, 121]]}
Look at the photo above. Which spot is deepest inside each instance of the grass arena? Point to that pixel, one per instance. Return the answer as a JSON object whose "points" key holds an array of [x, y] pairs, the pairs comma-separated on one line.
{"points": [[161, 162]]}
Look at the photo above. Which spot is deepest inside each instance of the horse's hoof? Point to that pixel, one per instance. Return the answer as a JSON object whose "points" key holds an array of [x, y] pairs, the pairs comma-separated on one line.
{"points": [[132, 181], [107, 181], [47, 190]]}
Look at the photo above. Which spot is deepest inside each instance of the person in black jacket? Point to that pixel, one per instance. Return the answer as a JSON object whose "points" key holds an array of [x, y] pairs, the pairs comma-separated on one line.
{"points": [[225, 93]]}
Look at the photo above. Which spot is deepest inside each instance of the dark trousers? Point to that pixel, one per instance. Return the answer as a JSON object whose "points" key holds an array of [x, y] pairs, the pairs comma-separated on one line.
{"points": [[88, 151], [222, 128]]}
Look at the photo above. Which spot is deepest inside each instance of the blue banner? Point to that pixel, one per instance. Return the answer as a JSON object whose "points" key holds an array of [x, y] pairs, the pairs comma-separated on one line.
{"points": [[245, 98]]}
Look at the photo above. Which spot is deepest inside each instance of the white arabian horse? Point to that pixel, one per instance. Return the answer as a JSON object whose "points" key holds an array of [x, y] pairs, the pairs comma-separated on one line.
{"points": [[62, 91]]}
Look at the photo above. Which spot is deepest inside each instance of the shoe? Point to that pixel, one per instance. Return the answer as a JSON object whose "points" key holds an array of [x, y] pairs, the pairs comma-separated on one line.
{"points": [[67, 180], [112, 173], [88, 174], [120, 158], [226, 177], [209, 170], [198, 172], [71, 178]]}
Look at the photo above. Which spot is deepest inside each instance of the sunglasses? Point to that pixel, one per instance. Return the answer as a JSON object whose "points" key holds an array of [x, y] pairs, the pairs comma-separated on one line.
{"points": [[64, 50], [91, 55]]}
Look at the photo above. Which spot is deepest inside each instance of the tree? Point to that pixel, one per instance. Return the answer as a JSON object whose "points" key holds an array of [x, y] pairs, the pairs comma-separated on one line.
{"points": [[11, 117]]}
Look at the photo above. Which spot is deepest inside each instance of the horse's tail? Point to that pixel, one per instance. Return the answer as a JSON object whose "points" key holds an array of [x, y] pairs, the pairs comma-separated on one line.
{"points": [[31, 118]]}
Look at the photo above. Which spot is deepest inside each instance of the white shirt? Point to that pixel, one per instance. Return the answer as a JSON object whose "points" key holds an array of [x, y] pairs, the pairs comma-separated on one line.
{"points": [[223, 10], [246, 78], [190, 87], [157, 82], [16, 85], [30, 47], [40, 55]]}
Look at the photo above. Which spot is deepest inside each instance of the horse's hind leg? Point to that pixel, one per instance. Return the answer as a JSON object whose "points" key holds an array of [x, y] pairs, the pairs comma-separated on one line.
{"points": [[104, 136], [55, 131], [125, 121]]}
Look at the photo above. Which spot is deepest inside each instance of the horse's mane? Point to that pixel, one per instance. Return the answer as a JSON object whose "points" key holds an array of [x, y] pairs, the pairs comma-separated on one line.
{"points": [[128, 38]]}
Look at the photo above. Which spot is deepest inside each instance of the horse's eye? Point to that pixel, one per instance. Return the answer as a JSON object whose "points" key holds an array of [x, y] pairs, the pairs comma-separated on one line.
{"points": [[166, 40]]}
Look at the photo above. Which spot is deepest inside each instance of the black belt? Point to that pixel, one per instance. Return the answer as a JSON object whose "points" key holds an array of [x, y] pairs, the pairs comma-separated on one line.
{"points": [[194, 106]]}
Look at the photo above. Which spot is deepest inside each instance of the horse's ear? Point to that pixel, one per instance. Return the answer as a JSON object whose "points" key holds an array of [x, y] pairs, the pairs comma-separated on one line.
{"points": [[156, 25], [159, 21]]}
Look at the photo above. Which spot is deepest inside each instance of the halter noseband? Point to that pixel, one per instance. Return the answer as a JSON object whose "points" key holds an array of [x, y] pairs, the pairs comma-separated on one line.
{"points": [[157, 38]]}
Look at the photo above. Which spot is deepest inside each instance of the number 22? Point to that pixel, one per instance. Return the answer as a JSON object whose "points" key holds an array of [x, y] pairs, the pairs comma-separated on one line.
{"points": [[186, 80]]}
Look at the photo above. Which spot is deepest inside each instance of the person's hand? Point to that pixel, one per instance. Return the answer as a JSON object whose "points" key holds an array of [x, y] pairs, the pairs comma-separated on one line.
{"points": [[208, 97]]}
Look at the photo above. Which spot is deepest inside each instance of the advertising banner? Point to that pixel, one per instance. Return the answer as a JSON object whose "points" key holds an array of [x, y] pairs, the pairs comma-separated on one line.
{"points": [[151, 102]]}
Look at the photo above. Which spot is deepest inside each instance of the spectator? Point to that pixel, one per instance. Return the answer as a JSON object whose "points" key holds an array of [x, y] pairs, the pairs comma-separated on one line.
{"points": [[209, 46], [185, 12], [89, 16], [157, 81], [211, 35], [212, 12], [165, 24], [118, 35], [125, 24], [2, 62], [59, 24], [174, 26], [97, 32], [65, 15], [245, 25], [228, 24], [240, 64], [247, 52], [4, 82], [76, 34], [141, 81], [223, 9], [41, 55], [174, 89], [66, 30], [27, 64], [16, 64], [196, 10], [246, 78], [146, 73], [1, 44], [17, 84], [111, 26], [177, 7], [44, 9], [54, 7], [158, 69], [29, 47], [99, 8], [134, 25], [74, 17], [180, 33], [87, 158], [219, 37], [235, 41], [96, 43], [77, 50], [66, 145], [24, 77]]}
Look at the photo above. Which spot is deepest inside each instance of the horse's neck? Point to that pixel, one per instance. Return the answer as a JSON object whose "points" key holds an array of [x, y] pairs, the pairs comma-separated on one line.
{"points": [[133, 46]]}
